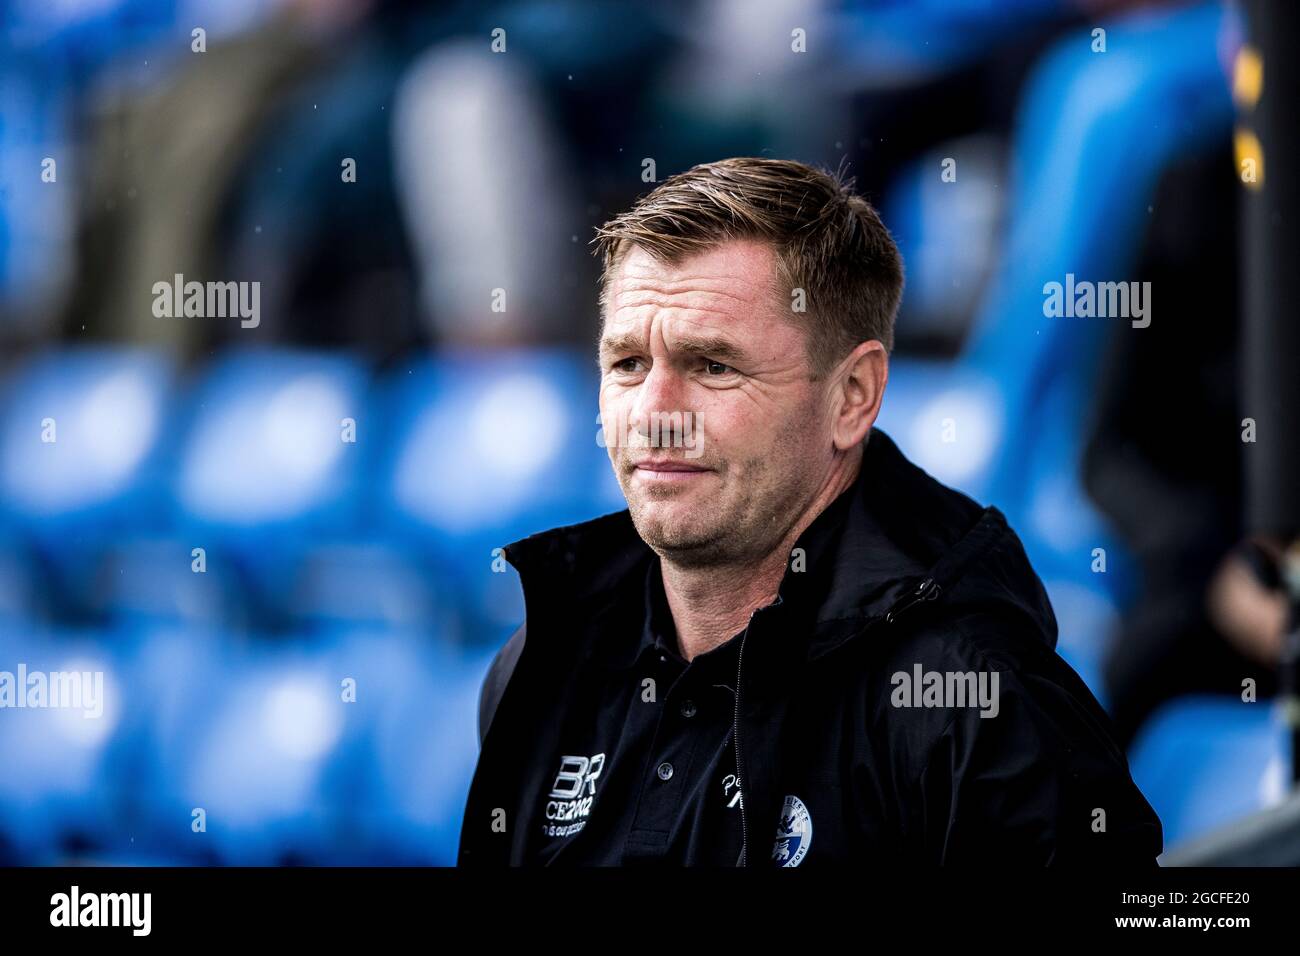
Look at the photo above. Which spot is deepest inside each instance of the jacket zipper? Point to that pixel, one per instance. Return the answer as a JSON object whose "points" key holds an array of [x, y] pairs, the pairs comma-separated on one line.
{"points": [[735, 733], [735, 739], [927, 590]]}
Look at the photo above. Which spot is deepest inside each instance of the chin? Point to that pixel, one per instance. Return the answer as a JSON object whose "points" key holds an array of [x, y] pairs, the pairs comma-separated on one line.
{"points": [[678, 534]]}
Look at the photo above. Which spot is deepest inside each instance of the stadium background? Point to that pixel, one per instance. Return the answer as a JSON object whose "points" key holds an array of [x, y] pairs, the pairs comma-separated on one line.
{"points": [[325, 558]]}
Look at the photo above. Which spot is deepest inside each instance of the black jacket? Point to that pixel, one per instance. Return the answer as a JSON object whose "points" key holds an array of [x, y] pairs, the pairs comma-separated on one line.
{"points": [[901, 575]]}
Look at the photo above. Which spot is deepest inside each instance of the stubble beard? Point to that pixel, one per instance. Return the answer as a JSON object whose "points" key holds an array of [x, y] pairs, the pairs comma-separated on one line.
{"points": [[741, 535]]}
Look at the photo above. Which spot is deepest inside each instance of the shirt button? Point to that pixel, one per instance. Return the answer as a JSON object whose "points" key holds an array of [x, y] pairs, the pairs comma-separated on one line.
{"points": [[688, 708], [665, 770]]}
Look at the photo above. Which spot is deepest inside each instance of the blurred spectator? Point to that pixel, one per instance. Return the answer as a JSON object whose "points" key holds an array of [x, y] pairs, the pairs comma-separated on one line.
{"points": [[163, 163], [1165, 464]]}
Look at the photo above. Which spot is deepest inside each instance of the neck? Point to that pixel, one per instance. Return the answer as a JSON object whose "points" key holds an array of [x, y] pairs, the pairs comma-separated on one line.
{"points": [[711, 605]]}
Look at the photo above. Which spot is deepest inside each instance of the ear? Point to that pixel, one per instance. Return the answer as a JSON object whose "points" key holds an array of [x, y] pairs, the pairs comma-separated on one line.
{"points": [[859, 387]]}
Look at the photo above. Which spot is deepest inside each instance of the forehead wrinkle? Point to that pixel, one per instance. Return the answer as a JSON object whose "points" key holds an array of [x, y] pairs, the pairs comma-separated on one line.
{"points": [[686, 313], [716, 282], [684, 330], [648, 295], [664, 296]]}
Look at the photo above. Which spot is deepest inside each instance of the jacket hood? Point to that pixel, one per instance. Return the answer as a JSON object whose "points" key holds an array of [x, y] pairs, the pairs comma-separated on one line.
{"points": [[895, 539]]}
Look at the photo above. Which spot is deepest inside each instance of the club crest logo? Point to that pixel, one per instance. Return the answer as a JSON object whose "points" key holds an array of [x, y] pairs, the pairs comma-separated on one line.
{"points": [[794, 833]]}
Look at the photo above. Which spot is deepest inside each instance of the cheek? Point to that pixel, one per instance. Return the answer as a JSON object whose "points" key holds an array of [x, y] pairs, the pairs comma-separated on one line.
{"points": [[795, 443], [747, 430], [734, 426]]}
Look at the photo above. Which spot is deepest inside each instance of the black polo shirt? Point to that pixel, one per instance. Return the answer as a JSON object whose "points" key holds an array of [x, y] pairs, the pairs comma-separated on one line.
{"points": [[660, 771]]}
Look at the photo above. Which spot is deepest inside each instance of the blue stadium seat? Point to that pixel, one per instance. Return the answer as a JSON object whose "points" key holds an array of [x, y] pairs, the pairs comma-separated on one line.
{"points": [[81, 432], [411, 749], [1203, 762], [270, 463], [259, 773], [426, 747], [155, 581], [179, 676], [333, 747], [246, 732], [485, 448], [374, 584], [60, 781]]}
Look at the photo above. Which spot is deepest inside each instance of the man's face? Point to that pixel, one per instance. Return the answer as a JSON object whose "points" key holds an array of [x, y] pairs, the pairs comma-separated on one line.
{"points": [[708, 339]]}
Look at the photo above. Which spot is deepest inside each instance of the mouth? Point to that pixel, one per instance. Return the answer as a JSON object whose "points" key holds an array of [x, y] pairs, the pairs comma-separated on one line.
{"points": [[668, 469]]}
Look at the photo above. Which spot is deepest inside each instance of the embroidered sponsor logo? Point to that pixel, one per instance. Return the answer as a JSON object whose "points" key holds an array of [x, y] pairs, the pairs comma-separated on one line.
{"points": [[731, 791], [794, 833], [571, 796]]}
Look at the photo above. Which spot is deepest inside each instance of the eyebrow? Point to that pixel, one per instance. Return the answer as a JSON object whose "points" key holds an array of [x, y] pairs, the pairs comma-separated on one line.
{"points": [[713, 347]]}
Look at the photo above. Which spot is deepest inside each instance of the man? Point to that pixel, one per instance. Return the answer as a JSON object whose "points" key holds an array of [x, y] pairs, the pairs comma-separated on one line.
{"points": [[794, 648]]}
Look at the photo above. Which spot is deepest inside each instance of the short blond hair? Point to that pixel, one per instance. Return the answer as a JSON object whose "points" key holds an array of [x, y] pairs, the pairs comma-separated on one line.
{"points": [[829, 242]]}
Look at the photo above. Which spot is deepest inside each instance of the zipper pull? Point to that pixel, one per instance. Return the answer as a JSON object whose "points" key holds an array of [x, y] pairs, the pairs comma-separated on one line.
{"points": [[927, 590]]}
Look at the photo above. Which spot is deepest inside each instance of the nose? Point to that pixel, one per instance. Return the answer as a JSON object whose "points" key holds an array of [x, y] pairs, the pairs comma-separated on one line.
{"points": [[658, 409]]}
